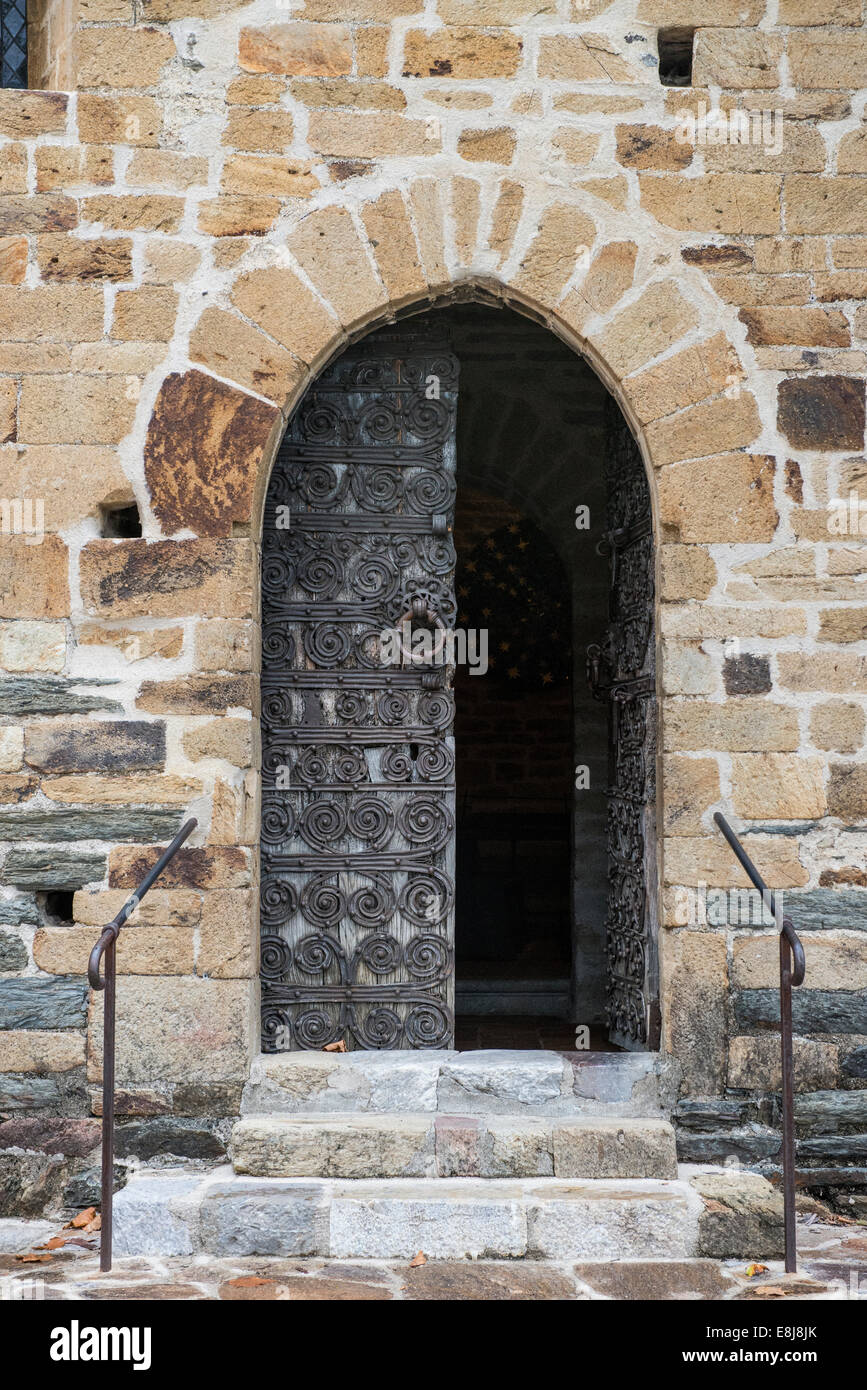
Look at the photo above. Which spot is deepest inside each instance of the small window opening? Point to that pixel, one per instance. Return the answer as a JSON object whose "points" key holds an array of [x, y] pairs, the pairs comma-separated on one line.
{"points": [[121, 521], [57, 905], [675, 57]]}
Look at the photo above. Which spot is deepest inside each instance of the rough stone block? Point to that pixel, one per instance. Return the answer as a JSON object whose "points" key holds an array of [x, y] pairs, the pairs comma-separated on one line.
{"points": [[396, 1220], [501, 1082], [158, 1216], [325, 1146], [254, 1216], [614, 1149], [743, 1215], [35, 1002], [611, 1221]]}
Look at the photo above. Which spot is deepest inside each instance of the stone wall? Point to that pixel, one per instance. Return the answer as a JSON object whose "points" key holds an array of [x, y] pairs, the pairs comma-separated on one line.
{"points": [[184, 240]]}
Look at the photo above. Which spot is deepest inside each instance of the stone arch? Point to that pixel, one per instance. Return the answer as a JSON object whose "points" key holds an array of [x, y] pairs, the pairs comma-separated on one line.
{"points": [[658, 338]]}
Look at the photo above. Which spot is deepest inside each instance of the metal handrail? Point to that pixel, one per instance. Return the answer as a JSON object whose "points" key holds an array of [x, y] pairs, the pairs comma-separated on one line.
{"points": [[105, 946], [793, 967]]}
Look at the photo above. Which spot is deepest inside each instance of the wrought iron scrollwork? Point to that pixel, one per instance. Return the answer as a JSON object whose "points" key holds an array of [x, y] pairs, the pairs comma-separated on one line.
{"points": [[621, 671], [358, 756]]}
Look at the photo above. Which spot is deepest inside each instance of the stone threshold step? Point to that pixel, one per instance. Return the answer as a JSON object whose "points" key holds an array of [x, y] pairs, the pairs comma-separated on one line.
{"points": [[452, 1146], [465, 1083], [222, 1213]]}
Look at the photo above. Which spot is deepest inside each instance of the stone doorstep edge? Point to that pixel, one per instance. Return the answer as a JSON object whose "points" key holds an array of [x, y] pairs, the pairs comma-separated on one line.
{"points": [[541, 1218]]}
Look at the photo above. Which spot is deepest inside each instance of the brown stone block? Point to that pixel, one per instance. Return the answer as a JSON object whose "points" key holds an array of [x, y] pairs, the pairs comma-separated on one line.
{"points": [[685, 378], [755, 1061], [348, 135], [298, 49], [13, 260], [726, 498], [574, 146], [127, 120], [67, 409], [494, 145], [216, 866], [651, 147], [211, 694], [230, 740], [277, 301], [801, 150], [63, 257], [807, 12], [822, 412], [13, 169], [582, 58], [71, 312], [167, 579], [181, 1030], [565, 233], [461, 52], [258, 130], [821, 205], [695, 991], [33, 578], [70, 166], [466, 208], [389, 231], [8, 410], [828, 60], [505, 218], [237, 216], [842, 625], [835, 961], [343, 91], [148, 212], [702, 429], [274, 175], [39, 212], [696, 725], [736, 58], [691, 861], [748, 203], [122, 57], [763, 290], [701, 12], [73, 481], [689, 787], [837, 672], [838, 727], [38, 1050], [232, 348], [186, 470], [382, 10], [164, 11], [847, 791], [140, 950], [810, 326], [228, 945], [162, 169], [778, 786], [141, 789], [161, 907], [686, 571], [146, 315], [224, 645], [649, 326], [328, 248], [26, 114]]}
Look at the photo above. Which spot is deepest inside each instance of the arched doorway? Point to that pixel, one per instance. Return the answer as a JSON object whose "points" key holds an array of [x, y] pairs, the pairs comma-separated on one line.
{"points": [[462, 429]]}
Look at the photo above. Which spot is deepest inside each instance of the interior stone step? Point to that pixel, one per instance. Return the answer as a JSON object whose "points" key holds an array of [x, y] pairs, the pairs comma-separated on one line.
{"points": [[365, 1145], [622, 1084], [222, 1213]]}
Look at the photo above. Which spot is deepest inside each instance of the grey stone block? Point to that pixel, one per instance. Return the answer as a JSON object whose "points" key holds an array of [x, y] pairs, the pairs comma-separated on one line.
{"points": [[111, 745], [24, 1091], [742, 1216], [19, 1235], [827, 909], [501, 1082], [831, 1112], [612, 1221], [158, 1215], [19, 911], [42, 695], [328, 1082], [517, 1146], [608, 1148], [44, 869], [13, 952], [813, 1010], [113, 823], [31, 1184], [34, 1002], [260, 1216], [462, 1219], [336, 1146]]}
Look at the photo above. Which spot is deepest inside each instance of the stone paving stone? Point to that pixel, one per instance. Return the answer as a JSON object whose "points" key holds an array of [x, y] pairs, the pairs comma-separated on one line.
{"points": [[310, 1288], [489, 1280], [657, 1280]]}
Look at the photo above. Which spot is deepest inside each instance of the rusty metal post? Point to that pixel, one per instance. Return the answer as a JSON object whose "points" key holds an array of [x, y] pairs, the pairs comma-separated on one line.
{"points": [[108, 1106], [788, 1087]]}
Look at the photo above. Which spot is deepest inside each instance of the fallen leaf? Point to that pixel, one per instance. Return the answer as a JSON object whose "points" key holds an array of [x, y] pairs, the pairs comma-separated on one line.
{"points": [[85, 1244], [335, 1047], [753, 1270], [83, 1218], [420, 1259], [34, 1259], [54, 1243], [94, 1225]]}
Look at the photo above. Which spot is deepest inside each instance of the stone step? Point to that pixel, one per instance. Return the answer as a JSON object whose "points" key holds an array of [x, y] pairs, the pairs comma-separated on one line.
{"points": [[621, 1084], [452, 1146], [222, 1213]]}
